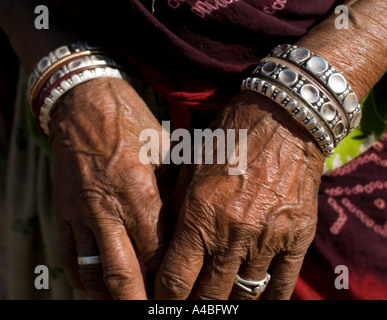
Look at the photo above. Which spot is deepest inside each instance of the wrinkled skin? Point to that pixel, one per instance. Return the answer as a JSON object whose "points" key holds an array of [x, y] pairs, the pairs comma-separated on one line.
{"points": [[242, 223], [108, 202]]}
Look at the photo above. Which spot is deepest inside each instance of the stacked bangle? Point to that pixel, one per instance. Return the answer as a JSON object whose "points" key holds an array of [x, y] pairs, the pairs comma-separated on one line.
{"points": [[59, 55], [327, 75], [315, 93], [62, 70]]}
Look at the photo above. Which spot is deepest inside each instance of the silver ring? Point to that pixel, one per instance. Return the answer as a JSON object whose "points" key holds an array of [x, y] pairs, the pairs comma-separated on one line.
{"points": [[255, 287], [89, 260]]}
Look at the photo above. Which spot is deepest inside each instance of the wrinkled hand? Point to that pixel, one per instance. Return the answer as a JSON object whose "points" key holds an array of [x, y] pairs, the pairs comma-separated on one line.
{"points": [[248, 224], [107, 202]]}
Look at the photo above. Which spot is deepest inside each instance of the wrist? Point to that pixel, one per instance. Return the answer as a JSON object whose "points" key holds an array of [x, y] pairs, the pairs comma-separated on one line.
{"points": [[87, 106], [359, 52], [63, 69], [262, 116], [102, 109]]}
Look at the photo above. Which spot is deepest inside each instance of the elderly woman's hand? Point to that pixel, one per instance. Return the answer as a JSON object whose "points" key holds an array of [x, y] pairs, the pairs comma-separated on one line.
{"points": [[250, 224], [107, 202]]}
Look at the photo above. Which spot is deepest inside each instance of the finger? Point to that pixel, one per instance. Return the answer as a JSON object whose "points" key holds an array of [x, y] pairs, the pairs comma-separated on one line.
{"points": [[68, 256], [91, 275], [284, 273], [181, 266], [252, 270], [149, 232], [216, 279], [121, 270]]}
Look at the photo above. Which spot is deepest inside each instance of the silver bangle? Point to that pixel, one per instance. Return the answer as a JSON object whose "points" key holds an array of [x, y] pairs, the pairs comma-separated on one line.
{"points": [[56, 55], [79, 63], [326, 74], [66, 85], [314, 92], [316, 96], [290, 101]]}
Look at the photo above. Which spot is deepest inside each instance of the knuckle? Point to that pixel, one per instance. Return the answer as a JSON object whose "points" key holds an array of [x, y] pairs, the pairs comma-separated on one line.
{"points": [[88, 194], [90, 275], [173, 285], [207, 296], [150, 189], [119, 280], [239, 294], [198, 209], [152, 259]]}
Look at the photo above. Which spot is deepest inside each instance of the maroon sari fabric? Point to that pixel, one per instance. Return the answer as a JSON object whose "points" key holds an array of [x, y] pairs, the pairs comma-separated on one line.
{"points": [[194, 53]]}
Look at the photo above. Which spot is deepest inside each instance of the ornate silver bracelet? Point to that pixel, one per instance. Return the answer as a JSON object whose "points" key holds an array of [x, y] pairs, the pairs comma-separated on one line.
{"points": [[309, 88], [81, 48], [326, 74], [313, 96], [63, 69], [79, 63], [290, 101]]}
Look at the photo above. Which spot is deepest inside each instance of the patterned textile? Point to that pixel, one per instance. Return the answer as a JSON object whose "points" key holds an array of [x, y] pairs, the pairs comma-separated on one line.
{"points": [[351, 231], [372, 126]]}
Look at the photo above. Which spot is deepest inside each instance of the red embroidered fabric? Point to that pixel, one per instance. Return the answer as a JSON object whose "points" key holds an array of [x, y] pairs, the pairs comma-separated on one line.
{"points": [[351, 232]]}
